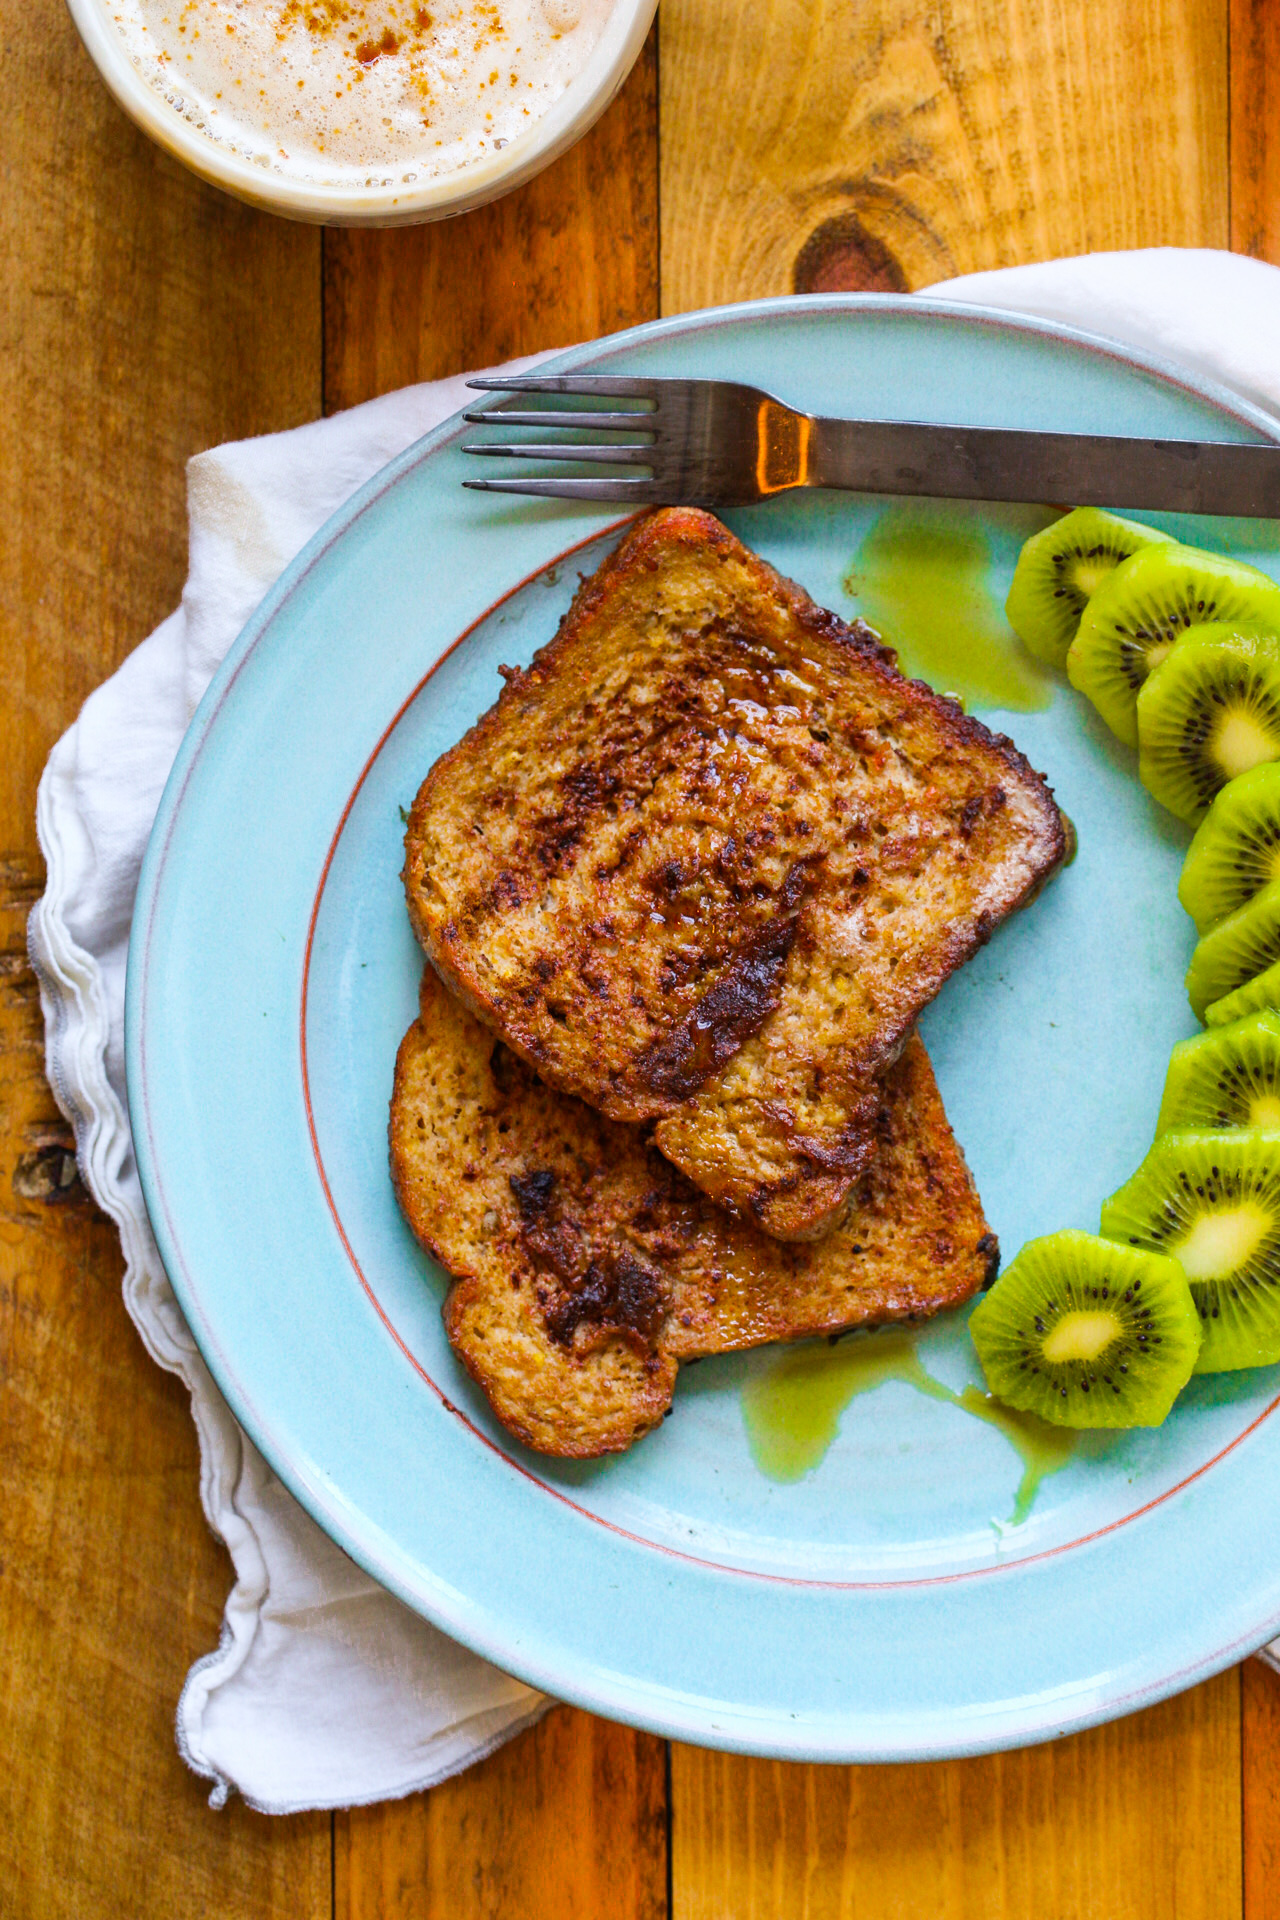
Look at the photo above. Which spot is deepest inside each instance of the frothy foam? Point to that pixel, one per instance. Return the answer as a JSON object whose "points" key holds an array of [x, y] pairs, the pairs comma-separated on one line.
{"points": [[361, 92]]}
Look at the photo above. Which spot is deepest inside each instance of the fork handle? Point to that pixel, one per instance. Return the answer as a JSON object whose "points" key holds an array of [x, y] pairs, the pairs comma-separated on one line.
{"points": [[993, 463]]}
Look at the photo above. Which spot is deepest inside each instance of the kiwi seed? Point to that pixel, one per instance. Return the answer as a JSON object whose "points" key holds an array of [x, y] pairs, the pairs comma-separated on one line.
{"points": [[1088, 1333], [1144, 606], [1239, 948], [1236, 850], [1212, 1202], [1060, 568], [1207, 715], [1262, 991], [1224, 1079]]}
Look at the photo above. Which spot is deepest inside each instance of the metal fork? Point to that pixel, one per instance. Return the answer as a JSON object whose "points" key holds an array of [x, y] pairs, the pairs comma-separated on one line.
{"points": [[715, 443]]}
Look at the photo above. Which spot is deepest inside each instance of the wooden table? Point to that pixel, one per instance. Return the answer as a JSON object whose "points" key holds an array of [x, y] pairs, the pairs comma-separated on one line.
{"points": [[760, 146]]}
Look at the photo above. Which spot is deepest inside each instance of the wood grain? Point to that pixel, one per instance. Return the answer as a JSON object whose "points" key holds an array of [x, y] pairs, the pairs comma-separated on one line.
{"points": [[1255, 128], [1260, 1785], [913, 139], [141, 317], [1139, 1820], [570, 1819], [570, 256]]}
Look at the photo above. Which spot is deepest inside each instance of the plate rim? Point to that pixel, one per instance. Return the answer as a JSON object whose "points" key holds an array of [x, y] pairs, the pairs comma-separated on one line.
{"points": [[642, 1705]]}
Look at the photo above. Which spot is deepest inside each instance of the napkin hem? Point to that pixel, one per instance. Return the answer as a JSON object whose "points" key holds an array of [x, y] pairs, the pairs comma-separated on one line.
{"points": [[432, 1776]]}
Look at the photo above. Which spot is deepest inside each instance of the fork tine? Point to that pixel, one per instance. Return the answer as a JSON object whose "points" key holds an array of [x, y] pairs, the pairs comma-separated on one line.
{"points": [[616, 456], [637, 492], [567, 417], [610, 383]]}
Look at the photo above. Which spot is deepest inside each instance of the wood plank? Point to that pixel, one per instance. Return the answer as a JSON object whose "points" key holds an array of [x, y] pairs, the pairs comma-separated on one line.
{"points": [[570, 1819], [1255, 128], [1138, 1820], [904, 140], [142, 317], [572, 255], [1260, 1785]]}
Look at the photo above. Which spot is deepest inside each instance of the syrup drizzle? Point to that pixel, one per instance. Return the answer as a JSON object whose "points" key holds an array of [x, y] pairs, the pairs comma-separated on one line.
{"points": [[792, 1409]]}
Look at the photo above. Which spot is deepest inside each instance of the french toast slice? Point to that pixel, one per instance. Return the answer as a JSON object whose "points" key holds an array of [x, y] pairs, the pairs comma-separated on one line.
{"points": [[586, 1267], [708, 857]]}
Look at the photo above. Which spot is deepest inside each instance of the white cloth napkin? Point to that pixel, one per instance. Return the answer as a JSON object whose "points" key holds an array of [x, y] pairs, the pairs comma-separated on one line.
{"points": [[325, 1691]]}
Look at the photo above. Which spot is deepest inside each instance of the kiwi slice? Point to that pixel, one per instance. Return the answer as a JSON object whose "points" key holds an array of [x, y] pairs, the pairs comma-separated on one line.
{"points": [[1061, 568], [1225, 1079], [1236, 850], [1088, 1333], [1212, 1201], [1246, 943], [1145, 605], [1253, 997], [1208, 714]]}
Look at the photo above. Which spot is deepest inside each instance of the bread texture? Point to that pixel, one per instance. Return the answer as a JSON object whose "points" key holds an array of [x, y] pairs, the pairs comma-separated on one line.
{"points": [[586, 1267], [708, 857]]}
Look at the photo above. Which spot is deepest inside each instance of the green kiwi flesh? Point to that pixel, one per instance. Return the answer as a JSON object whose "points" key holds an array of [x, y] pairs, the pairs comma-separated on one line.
{"points": [[1088, 1333], [1061, 568], [1144, 606], [1207, 715], [1243, 945], [1224, 1079], [1211, 1201], [1236, 849], [1255, 995]]}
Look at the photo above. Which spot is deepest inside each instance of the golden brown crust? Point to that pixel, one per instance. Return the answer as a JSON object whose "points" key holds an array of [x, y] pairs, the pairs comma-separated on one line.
{"points": [[707, 858], [586, 1267]]}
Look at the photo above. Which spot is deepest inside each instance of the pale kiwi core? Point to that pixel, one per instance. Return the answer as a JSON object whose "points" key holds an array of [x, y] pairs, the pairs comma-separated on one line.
{"points": [[1086, 576], [1242, 742], [1222, 1242], [360, 92], [1081, 1336]]}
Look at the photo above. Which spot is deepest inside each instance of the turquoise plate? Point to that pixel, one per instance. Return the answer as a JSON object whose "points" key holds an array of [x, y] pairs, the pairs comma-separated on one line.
{"points": [[883, 1605]]}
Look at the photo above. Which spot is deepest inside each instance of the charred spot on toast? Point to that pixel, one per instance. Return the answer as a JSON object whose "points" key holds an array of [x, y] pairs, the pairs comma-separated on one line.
{"points": [[506, 1069], [618, 1294], [735, 1007], [845, 1152], [557, 1248], [587, 1255], [533, 1192], [979, 804]]}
